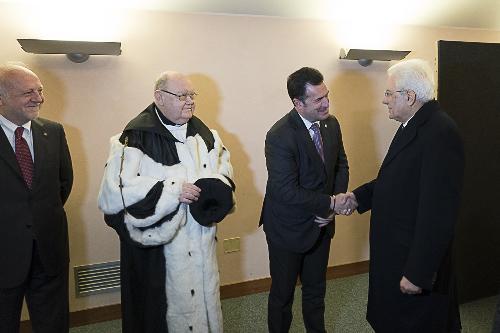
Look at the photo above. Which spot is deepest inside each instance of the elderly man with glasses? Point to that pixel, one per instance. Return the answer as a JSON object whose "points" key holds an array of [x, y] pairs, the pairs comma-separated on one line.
{"points": [[150, 195], [414, 204]]}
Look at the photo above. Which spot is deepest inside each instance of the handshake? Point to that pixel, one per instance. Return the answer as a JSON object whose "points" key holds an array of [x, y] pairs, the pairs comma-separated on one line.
{"points": [[340, 204], [344, 203]]}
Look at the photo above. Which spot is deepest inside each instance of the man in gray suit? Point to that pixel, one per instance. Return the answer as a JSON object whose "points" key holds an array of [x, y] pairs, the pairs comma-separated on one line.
{"points": [[36, 177], [306, 166]]}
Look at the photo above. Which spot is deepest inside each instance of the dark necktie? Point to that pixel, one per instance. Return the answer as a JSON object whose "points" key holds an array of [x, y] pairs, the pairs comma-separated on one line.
{"points": [[317, 140], [23, 156]]}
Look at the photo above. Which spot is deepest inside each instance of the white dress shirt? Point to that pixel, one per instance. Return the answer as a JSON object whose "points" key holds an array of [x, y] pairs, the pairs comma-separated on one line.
{"points": [[9, 128]]}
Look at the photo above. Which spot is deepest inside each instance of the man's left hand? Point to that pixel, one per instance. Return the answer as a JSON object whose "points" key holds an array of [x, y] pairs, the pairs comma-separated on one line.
{"points": [[409, 288], [190, 193]]}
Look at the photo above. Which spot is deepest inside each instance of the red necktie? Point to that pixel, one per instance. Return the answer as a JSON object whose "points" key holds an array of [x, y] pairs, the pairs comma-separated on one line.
{"points": [[23, 156], [318, 142]]}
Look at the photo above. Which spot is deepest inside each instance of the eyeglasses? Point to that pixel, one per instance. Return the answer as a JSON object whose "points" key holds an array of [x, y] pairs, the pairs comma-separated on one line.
{"points": [[182, 97], [389, 93]]}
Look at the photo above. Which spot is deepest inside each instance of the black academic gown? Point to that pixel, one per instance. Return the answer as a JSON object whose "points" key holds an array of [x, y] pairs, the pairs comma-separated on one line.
{"points": [[143, 295]]}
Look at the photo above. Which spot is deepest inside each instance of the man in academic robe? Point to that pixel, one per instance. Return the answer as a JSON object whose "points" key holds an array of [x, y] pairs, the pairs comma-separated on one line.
{"points": [[169, 273]]}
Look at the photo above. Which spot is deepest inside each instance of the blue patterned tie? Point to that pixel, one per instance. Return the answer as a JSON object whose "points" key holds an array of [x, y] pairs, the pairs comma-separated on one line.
{"points": [[318, 142]]}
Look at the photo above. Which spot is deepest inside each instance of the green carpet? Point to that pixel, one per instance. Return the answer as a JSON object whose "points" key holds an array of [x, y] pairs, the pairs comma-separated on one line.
{"points": [[345, 312]]}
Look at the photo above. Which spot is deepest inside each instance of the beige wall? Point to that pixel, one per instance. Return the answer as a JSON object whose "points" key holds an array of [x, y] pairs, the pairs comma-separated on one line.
{"points": [[239, 65]]}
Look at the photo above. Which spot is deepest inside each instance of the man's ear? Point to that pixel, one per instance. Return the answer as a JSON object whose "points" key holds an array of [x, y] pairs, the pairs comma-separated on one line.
{"points": [[411, 97], [158, 98], [297, 103]]}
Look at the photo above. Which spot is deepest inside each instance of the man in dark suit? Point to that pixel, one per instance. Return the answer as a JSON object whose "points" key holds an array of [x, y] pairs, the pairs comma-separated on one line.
{"points": [[306, 167], [414, 204], [496, 320], [36, 177]]}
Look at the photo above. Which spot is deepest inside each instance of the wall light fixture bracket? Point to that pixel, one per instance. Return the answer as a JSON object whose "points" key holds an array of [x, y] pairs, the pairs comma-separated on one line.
{"points": [[366, 57], [76, 51]]}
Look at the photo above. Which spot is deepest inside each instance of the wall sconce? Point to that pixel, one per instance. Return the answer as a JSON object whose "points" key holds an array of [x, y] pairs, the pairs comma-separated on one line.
{"points": [[76, 51], [366, 57]]}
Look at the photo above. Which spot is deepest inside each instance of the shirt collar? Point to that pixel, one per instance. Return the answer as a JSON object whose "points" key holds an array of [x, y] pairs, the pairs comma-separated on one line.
{"points": [[307, 123], [406, 122], [11, 126], [164, 119]]}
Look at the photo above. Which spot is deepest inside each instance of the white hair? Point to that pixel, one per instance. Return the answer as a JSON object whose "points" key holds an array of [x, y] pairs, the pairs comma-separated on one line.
{"points": [[164, 77], [415, 75]]}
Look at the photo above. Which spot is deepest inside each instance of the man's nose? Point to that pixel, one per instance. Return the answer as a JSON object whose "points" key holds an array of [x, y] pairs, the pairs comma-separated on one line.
{"points": [[38, 96], [326, 101]]}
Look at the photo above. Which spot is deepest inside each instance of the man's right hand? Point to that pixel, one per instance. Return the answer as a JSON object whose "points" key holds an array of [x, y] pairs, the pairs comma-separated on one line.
{"points": [[345, 203]]}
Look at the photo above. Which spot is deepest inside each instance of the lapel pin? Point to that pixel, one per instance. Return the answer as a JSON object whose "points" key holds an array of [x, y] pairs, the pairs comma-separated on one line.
{"points": [[44, 133]]}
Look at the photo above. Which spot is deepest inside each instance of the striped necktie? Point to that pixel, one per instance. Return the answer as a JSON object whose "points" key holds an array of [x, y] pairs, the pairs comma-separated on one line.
{"points": [[318, 142]]}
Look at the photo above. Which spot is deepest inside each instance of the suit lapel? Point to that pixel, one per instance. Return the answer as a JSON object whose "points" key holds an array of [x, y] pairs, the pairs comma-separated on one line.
{"points": [[399, 142], [8, 154], [40, 144], [305, 137]]}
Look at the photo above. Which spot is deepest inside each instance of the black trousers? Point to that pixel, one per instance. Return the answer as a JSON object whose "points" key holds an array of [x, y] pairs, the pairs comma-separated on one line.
{"points": [[496, 322], [285, 267], [46, 297]]}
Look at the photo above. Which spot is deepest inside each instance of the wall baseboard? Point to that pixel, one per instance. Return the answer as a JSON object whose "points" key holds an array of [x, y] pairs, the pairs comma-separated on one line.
{"points": [[84, 317], [113, 312], [262, 285]]}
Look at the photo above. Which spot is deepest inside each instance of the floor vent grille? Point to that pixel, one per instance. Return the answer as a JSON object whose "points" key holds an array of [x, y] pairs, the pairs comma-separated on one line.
{"points": [[97, 278]]}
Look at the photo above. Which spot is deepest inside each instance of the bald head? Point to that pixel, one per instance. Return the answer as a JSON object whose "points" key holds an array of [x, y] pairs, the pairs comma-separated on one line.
{"points": [[162, 80], [20, 94], [10, 73], [174, 97]]}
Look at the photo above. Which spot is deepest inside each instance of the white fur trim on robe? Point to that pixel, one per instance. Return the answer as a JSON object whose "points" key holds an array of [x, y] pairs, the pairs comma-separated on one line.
{"points": [[191, 259], [204, 164], [192, 276], [139, 174], [192, 280]]}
